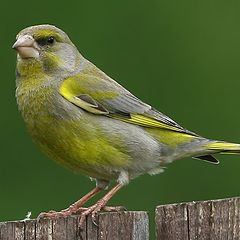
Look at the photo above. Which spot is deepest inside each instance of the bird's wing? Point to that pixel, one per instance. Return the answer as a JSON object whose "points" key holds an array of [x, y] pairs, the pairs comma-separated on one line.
{"points": [[104, 96]]}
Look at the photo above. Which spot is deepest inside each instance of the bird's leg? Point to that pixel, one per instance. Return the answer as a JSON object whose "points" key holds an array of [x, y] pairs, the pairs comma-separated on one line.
{"points": [[78, 204], [74, 208], [99, 205]]}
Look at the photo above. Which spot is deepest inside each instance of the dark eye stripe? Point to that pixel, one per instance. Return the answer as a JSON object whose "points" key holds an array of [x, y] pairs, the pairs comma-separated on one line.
{"points": [[45, 41]]}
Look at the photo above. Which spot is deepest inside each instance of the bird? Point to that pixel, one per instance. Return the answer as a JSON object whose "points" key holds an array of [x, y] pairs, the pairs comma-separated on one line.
{"points": [[86, 121]]}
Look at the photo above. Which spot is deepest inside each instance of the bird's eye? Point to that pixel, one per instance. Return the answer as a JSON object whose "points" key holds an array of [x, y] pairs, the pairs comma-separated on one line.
{"points": [[50, 40], [45, 41]]}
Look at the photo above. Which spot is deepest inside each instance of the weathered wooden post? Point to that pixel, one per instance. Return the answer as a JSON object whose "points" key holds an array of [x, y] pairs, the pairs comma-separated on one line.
{"points": [[111, 226], [206, 220]]}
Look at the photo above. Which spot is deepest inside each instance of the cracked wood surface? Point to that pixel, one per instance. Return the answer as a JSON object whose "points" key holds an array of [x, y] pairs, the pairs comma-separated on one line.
{"points": [[206, 220], [113, 226]]}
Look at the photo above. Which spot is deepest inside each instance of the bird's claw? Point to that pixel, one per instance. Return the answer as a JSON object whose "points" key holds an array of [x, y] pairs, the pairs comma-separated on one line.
{"points": [[64, 213], [53, 214], [114, 209], [94, 219], [93, 210], [84, 212]]}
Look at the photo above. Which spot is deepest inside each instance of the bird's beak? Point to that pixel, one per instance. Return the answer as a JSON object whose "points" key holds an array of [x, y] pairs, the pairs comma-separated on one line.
{"points": [[26, 47]]}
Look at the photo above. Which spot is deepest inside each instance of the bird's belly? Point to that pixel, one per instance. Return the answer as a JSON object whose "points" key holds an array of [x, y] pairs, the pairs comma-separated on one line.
{"points": [[97, 146], [78, 148]]}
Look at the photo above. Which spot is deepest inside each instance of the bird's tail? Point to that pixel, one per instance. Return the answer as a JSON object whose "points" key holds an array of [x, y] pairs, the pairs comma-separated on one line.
{"points": [[224, 147], [213, 147]]}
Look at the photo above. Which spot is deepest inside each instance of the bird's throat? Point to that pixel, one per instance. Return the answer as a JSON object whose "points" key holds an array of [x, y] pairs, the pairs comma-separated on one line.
{"points": [[29, 67]]}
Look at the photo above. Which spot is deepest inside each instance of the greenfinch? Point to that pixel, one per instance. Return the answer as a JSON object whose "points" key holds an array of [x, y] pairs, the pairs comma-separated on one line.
{"points": [[86, 121]]}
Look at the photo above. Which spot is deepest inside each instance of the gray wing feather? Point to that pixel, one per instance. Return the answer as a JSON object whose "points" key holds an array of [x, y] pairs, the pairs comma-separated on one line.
{"points": [[126, 102]]}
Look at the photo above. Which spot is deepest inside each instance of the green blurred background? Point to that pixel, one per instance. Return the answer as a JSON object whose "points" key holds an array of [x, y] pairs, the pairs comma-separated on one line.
{"points": [[182, 57]]}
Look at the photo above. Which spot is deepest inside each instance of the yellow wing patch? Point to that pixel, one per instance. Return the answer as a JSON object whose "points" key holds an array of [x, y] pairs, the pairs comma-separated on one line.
{"points": [[76, 91], [73, 91], [145, 121]]}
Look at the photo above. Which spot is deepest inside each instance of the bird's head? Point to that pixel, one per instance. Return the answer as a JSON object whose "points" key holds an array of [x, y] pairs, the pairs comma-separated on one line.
{"points": [[45, 48]]}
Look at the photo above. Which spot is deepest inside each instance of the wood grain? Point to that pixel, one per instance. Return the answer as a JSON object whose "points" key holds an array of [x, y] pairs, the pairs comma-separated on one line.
{"points": [[111, 226], [206, 220]]}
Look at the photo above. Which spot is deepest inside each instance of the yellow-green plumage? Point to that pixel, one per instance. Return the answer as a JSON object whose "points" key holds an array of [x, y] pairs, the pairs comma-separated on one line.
{"points": [[80, 147], [86, 121], [169, 137]]}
